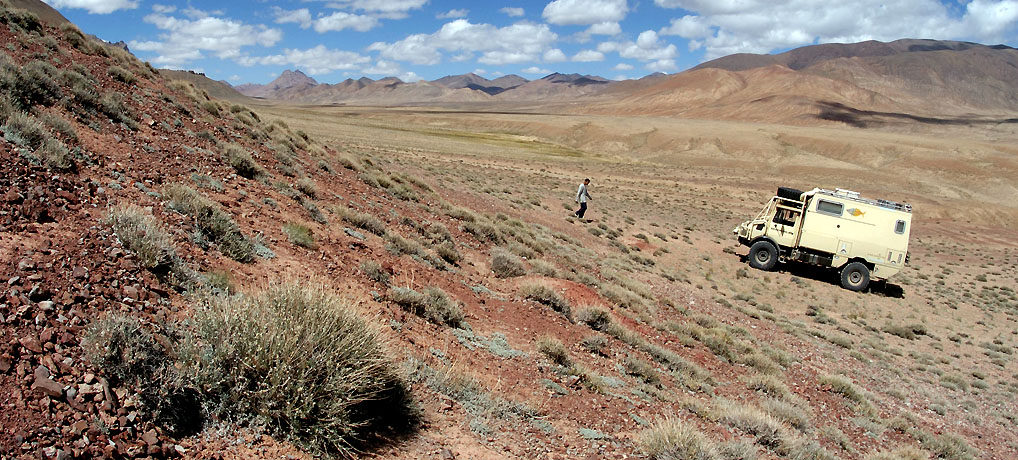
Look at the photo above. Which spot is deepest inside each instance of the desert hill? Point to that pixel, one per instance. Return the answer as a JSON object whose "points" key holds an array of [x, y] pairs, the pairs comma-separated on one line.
{"points": [[869, 83], [216, 89]]}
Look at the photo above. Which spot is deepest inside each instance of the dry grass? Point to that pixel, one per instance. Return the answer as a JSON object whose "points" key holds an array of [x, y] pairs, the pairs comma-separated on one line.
{"points": [[434, 304], [673, 439]]}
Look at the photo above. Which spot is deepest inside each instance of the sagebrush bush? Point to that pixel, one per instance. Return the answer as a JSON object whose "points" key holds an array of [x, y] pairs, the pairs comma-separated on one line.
{"points": [[596, 317], [302, 359], [299, 234], [25, 130], [547, 296], [307, 186], [112, 104], [122, 74], [768, 430], [447, 251], [595, 343], [59, 124], [374, 271], [56, 155], [18, 18], [362, 220], [506, 265], [141, 233], [673, 439], [214, 223], [240, 160], [554, 349], [433, 305], [36, 84], [642, 369], [846, 388]]}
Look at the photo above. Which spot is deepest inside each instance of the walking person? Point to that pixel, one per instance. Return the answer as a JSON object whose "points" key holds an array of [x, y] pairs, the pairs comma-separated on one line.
{"points": [[582, 196]]}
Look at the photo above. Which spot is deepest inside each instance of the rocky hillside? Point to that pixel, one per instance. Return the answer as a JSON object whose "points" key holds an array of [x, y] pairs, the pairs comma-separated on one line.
{"points": [[185, 277]]}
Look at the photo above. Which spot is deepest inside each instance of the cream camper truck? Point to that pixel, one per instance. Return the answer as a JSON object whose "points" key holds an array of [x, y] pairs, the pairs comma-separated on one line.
{"points": [[865, 239]]}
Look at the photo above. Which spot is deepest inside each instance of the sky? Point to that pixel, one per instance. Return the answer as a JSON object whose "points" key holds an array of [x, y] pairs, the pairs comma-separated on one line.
{"points": [[332, 40]]}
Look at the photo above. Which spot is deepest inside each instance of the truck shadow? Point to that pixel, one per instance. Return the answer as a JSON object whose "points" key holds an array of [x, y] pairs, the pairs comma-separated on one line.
{"points": [[798, 270]]}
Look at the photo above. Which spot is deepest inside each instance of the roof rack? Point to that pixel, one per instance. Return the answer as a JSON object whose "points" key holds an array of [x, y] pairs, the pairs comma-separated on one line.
{"points": [[854, 196]]}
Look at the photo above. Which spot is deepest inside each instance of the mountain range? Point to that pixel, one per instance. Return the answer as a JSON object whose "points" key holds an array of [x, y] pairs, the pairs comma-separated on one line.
{"points": [[827, 82]]}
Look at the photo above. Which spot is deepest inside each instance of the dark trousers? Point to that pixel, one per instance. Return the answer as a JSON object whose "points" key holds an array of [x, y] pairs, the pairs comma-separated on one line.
{"points": [[583, 209]]}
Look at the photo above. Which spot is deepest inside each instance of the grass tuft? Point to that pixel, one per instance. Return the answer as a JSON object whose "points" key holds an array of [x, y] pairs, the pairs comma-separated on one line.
{"points": [[673, 439], [506, 265], [299, 234], [548, 296], [433, 305], [211, 221]]}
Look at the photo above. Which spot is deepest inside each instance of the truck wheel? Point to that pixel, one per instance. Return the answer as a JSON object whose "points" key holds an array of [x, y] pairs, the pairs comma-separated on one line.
{"points": [[763, 255], [855, 276]]}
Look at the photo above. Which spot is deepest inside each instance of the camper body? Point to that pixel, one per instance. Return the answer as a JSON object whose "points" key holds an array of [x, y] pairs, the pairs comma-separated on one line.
{"points": [[865, 239]]}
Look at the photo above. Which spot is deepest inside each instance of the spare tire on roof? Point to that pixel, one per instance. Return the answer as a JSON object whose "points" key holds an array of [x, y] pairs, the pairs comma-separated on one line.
{"points": [[789, 193]]}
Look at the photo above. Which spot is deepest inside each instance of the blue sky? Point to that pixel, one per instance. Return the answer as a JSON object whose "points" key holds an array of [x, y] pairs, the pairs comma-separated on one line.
{"points": [[331, 40]]}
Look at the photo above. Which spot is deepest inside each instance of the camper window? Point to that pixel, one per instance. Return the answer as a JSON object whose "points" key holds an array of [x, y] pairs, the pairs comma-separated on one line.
{"points": [[899, 227], [829, 207]]}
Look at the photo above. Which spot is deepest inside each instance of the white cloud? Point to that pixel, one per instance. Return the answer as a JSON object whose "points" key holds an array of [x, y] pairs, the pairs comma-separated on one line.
{"points": [[661, 65], [460, 13], [301, 17], [620, 78], [512, 12], [234, 78], [623, 66], [383, 67], [392, 9], [480, 71], [95, 6], [340, 20], [583, 12], [535, 71], [520, 42], [555, 55], [760, 26], [163, 8], [647, 47], [604, 28], [185, 40], [588, 56], [316, 61]]}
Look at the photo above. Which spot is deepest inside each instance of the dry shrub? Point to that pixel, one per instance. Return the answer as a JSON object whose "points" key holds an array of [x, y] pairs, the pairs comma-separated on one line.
{"points": [[140, 232], [240, 160], [214, 223], [673, 439], [433, 305], [299, 234], [555, 350], [547, 296], [506, 265]]}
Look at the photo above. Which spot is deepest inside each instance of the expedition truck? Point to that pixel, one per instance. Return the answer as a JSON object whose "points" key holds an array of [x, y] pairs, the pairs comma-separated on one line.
{"points": [[862, 238]]}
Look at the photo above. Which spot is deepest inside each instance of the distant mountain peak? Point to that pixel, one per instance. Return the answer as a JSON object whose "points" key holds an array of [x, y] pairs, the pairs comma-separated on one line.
{"points": [[291, 78]]}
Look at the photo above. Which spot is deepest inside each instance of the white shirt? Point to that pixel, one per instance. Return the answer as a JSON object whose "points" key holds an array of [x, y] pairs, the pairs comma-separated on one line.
{"points": [[581, 194]]}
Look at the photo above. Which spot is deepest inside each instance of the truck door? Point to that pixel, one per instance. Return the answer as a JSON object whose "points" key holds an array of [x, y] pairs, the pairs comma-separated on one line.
{"points": [[784, 226], [822, 225]]}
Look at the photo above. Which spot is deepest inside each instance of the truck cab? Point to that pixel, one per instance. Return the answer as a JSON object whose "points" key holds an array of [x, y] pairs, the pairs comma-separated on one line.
{"points": [[864, 239]]}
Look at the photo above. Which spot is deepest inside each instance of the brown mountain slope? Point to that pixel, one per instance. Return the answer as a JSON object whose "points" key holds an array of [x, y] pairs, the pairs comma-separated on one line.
{"points": [[216, 89], [45, 12]]}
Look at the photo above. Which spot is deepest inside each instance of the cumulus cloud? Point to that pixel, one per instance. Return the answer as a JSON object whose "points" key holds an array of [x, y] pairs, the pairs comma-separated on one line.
{"points": [[760, 26], [392, 9], [340, 20], [185, 40], [520, 42], [647, 47], [301, 17], [158, 8], [535, 71], [604, 28], [661, 65], [623, 66], [316, 61], [95, 6], [460, 13], [512, 12], [588, 56], [555, 55], [584, 12]]}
